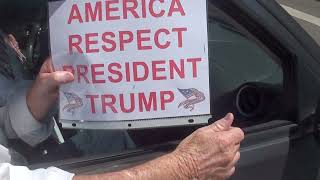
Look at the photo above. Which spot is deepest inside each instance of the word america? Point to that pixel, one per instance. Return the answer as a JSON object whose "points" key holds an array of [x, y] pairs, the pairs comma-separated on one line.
{"points": [[123, 9]]}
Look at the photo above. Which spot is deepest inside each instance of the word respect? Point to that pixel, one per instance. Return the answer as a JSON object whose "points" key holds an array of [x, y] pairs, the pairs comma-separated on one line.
{"points": [[143, 39], [112, 10]]}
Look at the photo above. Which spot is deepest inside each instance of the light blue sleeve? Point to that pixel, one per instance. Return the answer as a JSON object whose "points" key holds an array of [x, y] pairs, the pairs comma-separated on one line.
{"points": [[19, 122]]}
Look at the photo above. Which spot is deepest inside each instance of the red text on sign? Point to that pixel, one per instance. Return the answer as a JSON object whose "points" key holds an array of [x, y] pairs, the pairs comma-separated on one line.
{"points": [[143, 39], [109, 10], [136, 71], [140, 102]]}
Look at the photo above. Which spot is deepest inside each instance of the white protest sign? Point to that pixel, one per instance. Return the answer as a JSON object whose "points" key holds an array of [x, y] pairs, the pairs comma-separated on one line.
{"points": [[131, 59]]}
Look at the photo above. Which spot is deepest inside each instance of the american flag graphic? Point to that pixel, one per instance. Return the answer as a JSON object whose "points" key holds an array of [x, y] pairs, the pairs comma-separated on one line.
{"points": [[74, 102], [193, 96]]}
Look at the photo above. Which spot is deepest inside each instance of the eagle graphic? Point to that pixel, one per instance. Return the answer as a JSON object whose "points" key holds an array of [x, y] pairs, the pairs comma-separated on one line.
{"points": [[74, 102], [193, 96]]}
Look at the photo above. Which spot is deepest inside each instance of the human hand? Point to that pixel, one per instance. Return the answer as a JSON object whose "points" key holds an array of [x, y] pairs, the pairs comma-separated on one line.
{"points": [[13, 43], [45, 90], [211, 152]]}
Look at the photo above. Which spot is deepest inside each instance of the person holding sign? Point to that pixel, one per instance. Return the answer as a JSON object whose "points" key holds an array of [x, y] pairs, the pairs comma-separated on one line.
{"points": [[24, 110], [168, 53], [209, 153]]}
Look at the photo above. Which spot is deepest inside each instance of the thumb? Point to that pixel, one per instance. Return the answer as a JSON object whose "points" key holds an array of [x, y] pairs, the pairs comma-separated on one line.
{"points": [[223, 124], [55, 79]]}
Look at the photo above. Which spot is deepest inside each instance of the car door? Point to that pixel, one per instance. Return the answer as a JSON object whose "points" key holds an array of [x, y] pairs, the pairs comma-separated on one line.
{"points": [[265, 69], [258, 67], [288, 151]]}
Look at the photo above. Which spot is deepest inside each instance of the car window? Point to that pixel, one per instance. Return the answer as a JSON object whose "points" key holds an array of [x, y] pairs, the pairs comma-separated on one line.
{"points": [[237, 64], [236, 60]]}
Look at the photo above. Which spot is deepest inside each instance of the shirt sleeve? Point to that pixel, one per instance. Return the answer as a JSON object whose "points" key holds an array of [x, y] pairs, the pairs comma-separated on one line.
{"points": [[8, 171], [19, 122]]}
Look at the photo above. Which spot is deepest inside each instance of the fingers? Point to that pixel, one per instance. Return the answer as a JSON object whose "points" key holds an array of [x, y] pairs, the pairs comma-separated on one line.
{"points": [[230, 172], [13, 40], [235, 160], [232, 165], [47, 66], [55, 79], [223, 124], [234, 136], [237, 147]]}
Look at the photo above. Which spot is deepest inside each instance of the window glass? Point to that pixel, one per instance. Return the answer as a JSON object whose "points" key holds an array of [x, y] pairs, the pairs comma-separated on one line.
{"points": [[234, 61]]}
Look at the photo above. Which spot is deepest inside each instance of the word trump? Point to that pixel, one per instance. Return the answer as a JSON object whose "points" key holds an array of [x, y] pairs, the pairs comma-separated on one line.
{"points": [[139, 102]]}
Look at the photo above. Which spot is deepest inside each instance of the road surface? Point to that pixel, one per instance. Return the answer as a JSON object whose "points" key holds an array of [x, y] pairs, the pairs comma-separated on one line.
{"points": [[307, 13]]}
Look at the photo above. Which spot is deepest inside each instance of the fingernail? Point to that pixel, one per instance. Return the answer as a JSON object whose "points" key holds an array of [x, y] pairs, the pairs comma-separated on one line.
{"points": [[68, 76], [229, 117]]}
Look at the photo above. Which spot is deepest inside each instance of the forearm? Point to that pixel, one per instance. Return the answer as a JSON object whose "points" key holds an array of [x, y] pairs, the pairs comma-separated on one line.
{"points": [[169, 167]]}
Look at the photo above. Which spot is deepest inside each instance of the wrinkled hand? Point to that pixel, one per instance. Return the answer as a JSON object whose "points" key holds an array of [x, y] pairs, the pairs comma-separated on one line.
{"points": [[45, 90], [211, 152]]}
